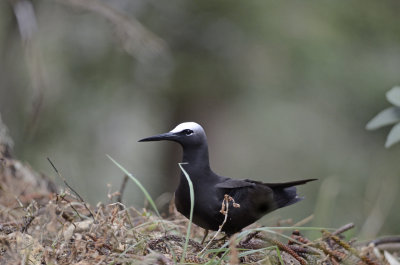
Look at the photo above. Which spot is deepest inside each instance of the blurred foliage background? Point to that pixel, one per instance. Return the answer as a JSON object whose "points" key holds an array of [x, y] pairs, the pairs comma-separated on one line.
{"points": [[284, 90]]}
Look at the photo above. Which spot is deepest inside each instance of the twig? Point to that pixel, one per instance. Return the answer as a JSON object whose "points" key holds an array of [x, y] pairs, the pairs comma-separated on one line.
{"points": [[153, 244], [69, 219], [76, 193], [330, 253], [343, 229], [389, 246], [249, 237], [385, 240], [224, 210], [298, 238], [121, 189], [304, 221], [285, 248], [27, 221], [349, 248], [301, 249], [234, 255]]}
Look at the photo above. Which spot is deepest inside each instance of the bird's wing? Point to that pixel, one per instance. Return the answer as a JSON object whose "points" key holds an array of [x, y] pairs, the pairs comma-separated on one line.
{"points": [[233, 183]]}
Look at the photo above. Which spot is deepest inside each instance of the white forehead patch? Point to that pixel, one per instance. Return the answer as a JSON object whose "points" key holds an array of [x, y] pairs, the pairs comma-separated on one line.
{"points": [[187, 125]]}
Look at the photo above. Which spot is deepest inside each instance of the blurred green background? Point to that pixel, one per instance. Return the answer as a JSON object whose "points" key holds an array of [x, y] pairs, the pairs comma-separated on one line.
{"points": [[284, 90]]}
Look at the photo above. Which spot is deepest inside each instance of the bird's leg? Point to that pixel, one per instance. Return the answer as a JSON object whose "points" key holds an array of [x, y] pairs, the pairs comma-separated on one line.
{"points": [[205, 236], [224, 211]]}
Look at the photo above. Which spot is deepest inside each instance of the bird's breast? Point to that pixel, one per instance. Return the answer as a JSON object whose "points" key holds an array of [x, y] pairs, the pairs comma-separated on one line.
{"points": [[206, 206]]}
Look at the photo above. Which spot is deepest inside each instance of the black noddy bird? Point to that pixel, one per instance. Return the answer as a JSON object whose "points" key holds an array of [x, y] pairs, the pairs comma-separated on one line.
{"points": [[254, 197]]}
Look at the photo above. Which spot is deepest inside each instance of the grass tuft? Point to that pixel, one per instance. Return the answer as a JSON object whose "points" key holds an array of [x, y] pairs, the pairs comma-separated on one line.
{"points": [[191, 211]]}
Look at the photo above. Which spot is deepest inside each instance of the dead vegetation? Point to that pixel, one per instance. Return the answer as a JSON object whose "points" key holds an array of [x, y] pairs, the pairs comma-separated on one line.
{"points": [[39, 224]]}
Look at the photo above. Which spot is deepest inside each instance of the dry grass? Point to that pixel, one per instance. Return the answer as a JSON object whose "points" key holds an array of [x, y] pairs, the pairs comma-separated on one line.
{"points": [[39, 226]]}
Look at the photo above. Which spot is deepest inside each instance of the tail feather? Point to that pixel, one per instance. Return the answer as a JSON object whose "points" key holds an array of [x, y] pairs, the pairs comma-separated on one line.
{"points": [[285, 197], [288, 184], [286, 193]]}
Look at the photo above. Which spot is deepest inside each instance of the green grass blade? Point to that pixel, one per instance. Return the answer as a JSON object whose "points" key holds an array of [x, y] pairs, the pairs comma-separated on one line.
{"points": [[278, 253], [191, 211], [137, 182], [252, 251], [224, 248]]}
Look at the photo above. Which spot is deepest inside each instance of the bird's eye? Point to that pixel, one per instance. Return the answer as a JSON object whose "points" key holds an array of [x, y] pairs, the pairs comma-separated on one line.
{"points": [[187, 132]]}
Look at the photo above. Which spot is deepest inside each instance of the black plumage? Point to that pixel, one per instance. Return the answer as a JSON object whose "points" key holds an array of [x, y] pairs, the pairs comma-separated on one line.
{"points": [[255, 198]]}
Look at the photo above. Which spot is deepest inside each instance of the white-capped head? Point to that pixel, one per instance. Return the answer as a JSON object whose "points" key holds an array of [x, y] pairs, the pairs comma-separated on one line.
{"points": [[188, 134], [192, 126]]}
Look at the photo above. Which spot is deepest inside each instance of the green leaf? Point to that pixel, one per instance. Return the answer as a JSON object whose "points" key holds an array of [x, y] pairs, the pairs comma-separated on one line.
{"points": [[385, 117], [394, 136], [393, 96]]}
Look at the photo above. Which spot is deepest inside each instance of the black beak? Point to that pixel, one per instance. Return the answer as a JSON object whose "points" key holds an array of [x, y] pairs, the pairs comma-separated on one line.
{"points": [[164, 136]]}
